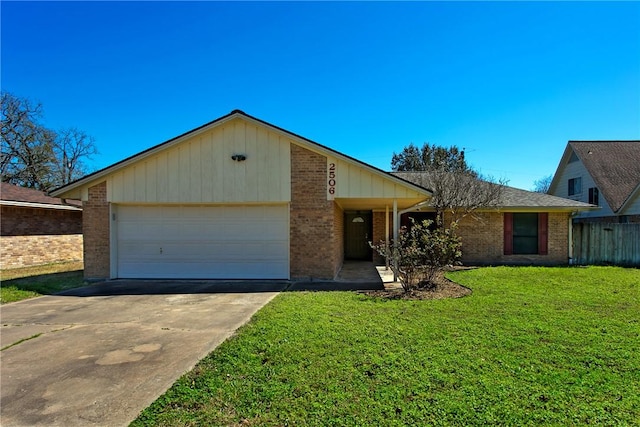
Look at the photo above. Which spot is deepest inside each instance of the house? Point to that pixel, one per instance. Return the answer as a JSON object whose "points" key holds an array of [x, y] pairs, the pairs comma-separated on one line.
{"points": [[603, 173], [524, 227], [240, 198], [237, 198], [37, 229]]}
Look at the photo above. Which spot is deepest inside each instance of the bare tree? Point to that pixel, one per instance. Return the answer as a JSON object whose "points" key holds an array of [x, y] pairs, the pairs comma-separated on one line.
{"points": [[457, 189], [27, 146], [457, 193], [542, 185], [71, 148], [37, 157]]}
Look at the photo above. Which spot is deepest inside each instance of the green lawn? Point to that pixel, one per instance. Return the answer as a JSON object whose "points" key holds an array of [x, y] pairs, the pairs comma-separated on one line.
{"points": [[22, 283], [530, 346]]}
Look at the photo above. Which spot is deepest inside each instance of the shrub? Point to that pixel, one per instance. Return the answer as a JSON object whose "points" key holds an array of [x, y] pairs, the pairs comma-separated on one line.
{"points": [[420, 252]]}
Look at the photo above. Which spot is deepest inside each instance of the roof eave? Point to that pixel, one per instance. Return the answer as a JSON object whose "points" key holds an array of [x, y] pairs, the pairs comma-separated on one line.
{"points": [[142, 155], [217, 122], [39, 205], [561, 164]]}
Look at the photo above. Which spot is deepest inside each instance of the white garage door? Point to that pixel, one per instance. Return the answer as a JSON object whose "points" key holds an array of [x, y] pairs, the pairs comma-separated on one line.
{"points": [[200, 242]]}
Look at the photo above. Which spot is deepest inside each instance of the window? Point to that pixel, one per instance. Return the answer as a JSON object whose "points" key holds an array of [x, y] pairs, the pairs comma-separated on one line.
{"points": [[525, 233], [594, 196], [575, 186]]}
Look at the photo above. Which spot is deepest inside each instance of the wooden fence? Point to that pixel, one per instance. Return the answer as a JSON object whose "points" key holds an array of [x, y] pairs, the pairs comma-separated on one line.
{"points": [[603, 243]]}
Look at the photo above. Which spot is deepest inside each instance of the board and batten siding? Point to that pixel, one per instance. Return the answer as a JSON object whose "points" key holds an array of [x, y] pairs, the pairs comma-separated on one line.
{"points": [[355, 182], [200, 169]]}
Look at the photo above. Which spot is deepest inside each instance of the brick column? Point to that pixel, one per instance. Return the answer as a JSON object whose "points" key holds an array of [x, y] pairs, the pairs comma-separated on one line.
{"points": [[95, 227], [314, 244]]}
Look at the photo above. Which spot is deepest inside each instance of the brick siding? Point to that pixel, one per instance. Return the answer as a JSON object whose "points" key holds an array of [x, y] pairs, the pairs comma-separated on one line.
{"points": [[483, 240], [379, 226], [26, 221], [315, 233], [36, 236], [338, 238], [96, 233], [26, 251]]}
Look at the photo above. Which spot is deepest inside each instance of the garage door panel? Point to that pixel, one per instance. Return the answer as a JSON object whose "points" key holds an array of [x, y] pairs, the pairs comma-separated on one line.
{"points": [[203, 242]]}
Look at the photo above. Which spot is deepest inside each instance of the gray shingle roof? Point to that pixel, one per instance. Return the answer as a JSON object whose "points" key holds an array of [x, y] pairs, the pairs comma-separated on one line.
{"points": [[14, 193], [514, 198], [517, 198], [613, 165]]}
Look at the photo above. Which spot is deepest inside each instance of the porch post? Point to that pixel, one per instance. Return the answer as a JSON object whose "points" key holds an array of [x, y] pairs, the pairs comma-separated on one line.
{"points": [[386, 236], [570, 242], [395, 236]]}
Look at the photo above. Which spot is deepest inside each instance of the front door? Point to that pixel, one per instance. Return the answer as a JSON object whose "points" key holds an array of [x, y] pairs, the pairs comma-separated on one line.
{"points": [[357, 235]]}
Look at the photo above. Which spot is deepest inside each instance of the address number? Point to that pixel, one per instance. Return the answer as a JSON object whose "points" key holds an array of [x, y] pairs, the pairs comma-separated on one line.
{"points": [[332, 178]]}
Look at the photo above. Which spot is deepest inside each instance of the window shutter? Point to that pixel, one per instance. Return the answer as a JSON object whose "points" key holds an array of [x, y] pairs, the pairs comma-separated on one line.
{"points": [[508, 233], [543, 233]]}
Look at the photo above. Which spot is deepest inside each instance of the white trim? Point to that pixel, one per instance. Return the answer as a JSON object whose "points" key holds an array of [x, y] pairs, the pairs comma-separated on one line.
{"points": [[39, 205], [298, 140]]}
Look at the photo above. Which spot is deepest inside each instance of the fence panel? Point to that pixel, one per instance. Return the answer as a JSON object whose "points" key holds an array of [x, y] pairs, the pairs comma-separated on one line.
{"points": [[603, 243]]}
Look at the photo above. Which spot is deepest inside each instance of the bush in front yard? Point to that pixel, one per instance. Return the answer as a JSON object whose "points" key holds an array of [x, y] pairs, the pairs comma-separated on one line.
{"points": [[421, 252]]}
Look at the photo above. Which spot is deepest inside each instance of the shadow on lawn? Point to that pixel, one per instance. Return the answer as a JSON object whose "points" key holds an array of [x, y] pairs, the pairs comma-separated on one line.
{"points": [[47, 284], [169, 287]]}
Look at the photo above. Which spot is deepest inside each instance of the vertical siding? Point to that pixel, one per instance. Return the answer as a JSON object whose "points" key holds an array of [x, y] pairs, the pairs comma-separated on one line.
{"points": [[200, 169], [353, 181]]}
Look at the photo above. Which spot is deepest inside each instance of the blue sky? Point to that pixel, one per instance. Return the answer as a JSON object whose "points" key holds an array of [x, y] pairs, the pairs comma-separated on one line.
{"points": [[511, 82]]}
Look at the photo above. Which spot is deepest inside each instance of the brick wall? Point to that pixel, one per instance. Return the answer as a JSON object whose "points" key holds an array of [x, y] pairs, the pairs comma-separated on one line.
{"points": [[313, 238], [379, 226], [96, 233], [483, 240], [24, 221], [25, 251], [338, 238]]}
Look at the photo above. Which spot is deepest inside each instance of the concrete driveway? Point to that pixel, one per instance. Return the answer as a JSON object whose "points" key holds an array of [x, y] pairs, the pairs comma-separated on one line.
{"points": [[99, 355]]}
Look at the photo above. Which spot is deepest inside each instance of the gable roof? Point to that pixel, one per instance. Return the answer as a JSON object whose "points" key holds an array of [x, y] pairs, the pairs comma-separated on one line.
{"points": [[232, 115], [516, 199], [14, 195], [613, 165]]}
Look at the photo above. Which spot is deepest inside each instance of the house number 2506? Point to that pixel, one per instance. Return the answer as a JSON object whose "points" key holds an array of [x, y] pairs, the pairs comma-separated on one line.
{"points": [[332, 178]]}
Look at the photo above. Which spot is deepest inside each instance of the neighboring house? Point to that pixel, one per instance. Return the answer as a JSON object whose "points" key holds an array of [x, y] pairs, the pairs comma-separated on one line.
{"points": [[239, 198], [37, 229], [603, 173], [525, 228]]}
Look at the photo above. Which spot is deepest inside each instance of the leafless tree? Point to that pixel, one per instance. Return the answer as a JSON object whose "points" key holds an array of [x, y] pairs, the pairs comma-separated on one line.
{"points": [[458, 194], [542, 185], [27, 146], [37, 157], [71, 147]]}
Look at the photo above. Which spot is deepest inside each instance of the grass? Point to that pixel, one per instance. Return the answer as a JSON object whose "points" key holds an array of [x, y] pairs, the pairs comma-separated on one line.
{"points": [[29, 282], [530, 346]]}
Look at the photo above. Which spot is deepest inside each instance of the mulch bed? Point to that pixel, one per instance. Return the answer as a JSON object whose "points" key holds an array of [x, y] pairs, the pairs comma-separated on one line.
{"points": [[444, 288]]}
